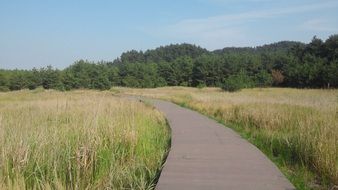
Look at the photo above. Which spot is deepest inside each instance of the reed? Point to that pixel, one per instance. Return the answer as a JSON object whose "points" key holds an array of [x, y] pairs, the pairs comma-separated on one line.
{"points": [[79, 140]]}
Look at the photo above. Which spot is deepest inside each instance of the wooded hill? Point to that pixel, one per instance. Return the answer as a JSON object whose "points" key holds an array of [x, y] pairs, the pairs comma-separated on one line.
{"points": [[286, 64]]}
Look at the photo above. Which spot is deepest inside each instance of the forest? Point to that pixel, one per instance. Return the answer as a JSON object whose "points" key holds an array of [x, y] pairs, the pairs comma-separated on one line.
{"points": [[281, 64]]}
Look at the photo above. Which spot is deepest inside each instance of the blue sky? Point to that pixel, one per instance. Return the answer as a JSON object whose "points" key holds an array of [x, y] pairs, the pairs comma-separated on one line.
{"points": [[58, 32]]}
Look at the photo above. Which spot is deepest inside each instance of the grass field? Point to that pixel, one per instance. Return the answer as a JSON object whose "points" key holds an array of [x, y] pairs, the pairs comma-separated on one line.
{"points": [[297, 129], [79, 140]]}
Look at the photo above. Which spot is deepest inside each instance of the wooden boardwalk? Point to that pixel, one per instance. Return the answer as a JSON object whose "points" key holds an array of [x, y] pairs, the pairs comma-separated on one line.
{"points": [[206, 155]]}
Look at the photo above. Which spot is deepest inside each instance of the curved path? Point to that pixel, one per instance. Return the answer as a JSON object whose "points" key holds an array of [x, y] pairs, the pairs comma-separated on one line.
{"points": [[206, 155]]}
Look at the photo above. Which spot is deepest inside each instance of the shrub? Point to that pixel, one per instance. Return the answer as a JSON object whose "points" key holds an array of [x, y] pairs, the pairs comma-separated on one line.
{"points": [[277, 77], [263, 79], [237, 82], [231, 85], [201, 85], [4, 89]]}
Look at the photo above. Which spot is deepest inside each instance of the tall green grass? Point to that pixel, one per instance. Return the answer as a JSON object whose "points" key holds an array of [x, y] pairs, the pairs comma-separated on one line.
{"points": [[298, 129], [79, 140]]}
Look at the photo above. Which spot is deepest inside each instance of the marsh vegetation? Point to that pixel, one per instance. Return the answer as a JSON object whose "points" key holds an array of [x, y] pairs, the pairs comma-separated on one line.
{"points": [[79, 140], [297, 129]]}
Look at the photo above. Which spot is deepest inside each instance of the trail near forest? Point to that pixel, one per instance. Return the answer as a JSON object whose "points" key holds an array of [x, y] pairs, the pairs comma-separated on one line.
{"points": [[206, 155]]}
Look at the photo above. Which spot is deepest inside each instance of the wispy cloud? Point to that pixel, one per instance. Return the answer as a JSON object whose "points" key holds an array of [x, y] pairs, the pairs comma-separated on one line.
{"points": [[224, 20], [232, 28], [321, 25]]}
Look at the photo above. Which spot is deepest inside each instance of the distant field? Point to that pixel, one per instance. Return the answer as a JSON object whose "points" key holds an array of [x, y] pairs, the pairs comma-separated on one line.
{"points": [[297, 129], [79, 140]]}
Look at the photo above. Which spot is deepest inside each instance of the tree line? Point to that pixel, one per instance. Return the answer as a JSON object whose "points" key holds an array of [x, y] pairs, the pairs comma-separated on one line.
{"points": [[285, 64]]}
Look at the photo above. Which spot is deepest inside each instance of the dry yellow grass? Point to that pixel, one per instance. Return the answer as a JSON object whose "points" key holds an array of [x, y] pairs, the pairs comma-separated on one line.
{"points": [[78, 140], [301, 126]]}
